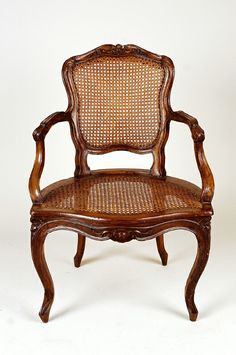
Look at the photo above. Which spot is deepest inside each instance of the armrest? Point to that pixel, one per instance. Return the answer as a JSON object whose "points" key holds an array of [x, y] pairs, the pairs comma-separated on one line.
{"points": [[39, 136], [197, 132], [198, 136], [41, 131]]}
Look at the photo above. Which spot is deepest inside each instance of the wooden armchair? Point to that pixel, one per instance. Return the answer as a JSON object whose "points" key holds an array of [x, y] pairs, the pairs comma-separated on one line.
{"points": [[119, 99]]}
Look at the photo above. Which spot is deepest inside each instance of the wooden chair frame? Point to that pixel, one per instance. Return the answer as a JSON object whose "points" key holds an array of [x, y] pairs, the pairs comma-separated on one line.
{"points": [[120, 229]]}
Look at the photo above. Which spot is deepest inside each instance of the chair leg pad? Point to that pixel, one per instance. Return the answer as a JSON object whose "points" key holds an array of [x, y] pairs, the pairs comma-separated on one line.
{"points": [[193, 316], [77, 262]]}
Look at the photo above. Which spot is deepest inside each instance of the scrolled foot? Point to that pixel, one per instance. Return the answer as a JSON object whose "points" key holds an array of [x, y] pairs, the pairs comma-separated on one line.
{"points": [[44, 317], [77, 261], [37, 247], [164, 259], [202, 233], [193, 316], [192, 309], [46, 306]]}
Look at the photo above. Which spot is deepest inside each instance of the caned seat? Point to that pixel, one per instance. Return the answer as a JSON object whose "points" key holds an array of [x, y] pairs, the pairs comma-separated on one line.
{"points": [[119, 99], [117, 194]]}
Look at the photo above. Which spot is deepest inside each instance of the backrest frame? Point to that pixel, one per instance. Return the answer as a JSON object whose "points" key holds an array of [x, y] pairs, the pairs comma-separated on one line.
{"points": [[82, 150]]}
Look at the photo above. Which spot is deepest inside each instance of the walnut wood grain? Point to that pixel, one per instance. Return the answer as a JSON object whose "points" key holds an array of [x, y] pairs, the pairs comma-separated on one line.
{"points": [[39, 136], [183, 205], [44, 127], [82, 147], [202, 231], [80, 250], [38, 236], [198, 136], [199, 226], [34, 181], [161, 249]]}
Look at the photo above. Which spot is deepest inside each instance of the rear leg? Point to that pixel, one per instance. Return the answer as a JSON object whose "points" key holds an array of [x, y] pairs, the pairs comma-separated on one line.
{"points": [[161, 249], [80, 250]]}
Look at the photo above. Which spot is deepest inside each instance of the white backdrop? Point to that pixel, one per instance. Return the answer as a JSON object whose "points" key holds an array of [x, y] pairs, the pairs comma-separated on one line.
{"points": [[36, 38]]}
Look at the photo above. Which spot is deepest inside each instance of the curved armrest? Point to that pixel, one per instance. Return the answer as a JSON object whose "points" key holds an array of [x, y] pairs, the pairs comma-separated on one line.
{"points": [[39, 135], [198, 136], [41, 131]]}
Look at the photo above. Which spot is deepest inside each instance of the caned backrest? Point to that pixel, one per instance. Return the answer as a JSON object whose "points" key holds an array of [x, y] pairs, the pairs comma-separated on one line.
{"points": [[119, 97], [119, 101]]}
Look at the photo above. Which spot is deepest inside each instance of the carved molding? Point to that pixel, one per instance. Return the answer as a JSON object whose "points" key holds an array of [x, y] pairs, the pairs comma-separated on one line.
{"points": [[121, 235], [35, 225], [204, 222], [117, 234], [118, 49]]}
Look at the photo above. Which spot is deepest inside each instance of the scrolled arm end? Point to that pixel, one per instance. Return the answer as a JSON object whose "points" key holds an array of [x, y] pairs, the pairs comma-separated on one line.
{"points": [[197, 132], [40, 132]]}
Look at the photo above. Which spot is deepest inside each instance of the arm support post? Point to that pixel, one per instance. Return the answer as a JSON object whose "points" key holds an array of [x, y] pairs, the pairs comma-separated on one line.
{"points": [[203, 167], [39, 136], [34, 181]]}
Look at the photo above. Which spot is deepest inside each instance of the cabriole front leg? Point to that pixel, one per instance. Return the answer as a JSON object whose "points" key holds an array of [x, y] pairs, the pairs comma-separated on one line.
{"points": [[38, 237], [202, 233]]}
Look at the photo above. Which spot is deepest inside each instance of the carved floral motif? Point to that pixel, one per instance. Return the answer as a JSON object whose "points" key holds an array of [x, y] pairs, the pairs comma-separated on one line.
{"points": [[121, 235], [118, 50], [204, 222]]}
